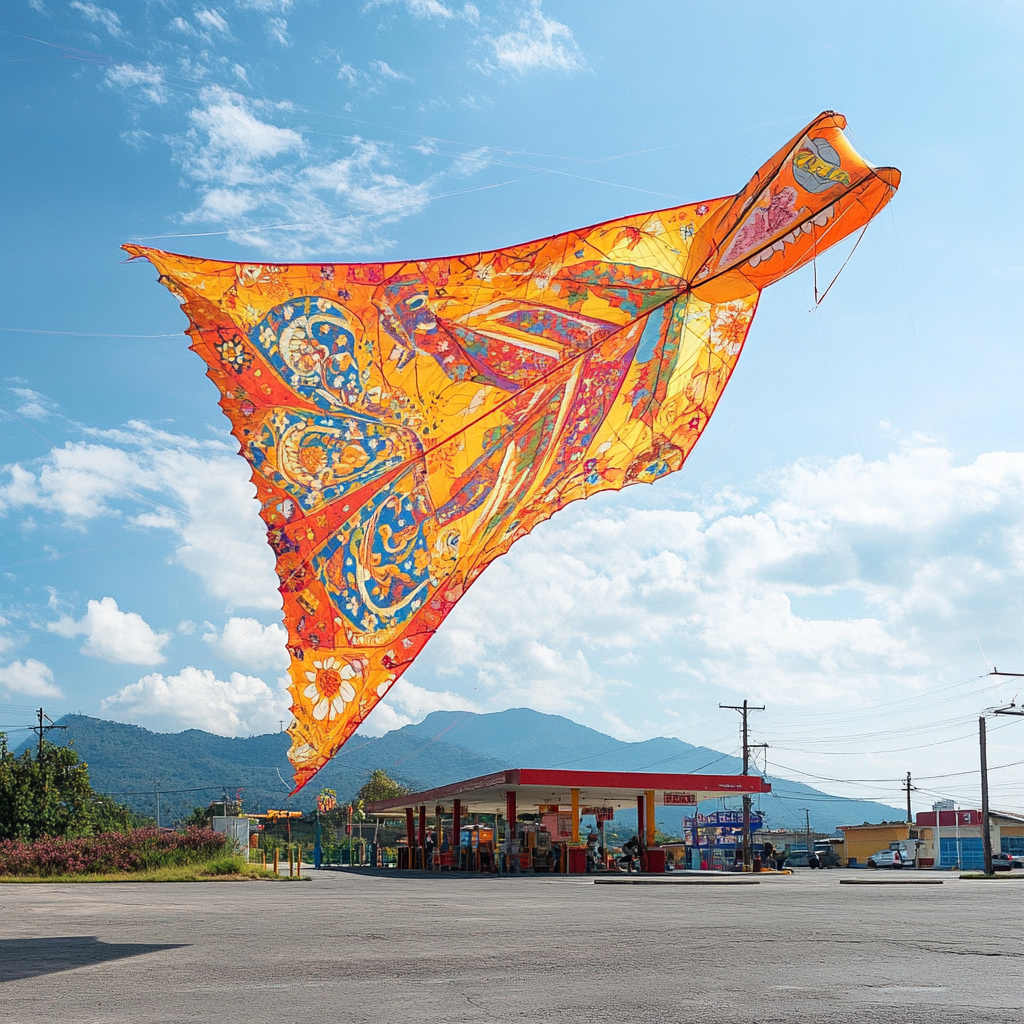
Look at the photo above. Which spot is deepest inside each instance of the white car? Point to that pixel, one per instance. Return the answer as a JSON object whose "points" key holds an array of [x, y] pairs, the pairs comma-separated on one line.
{"points": [[886, 859]]}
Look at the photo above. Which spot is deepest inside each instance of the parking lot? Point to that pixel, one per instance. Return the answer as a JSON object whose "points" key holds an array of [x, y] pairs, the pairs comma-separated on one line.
{"points": [[404, 947]]}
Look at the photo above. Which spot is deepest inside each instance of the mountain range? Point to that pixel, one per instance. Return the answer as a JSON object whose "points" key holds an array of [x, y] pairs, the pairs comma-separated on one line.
{"points": [[193, 767]]}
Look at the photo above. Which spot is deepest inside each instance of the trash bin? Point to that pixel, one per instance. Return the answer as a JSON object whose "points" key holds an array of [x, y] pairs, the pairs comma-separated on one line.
{"points": [[654, 861]]}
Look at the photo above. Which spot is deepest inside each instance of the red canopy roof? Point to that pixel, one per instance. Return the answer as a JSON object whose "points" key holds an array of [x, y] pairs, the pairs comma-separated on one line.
{"points": [[535, 786]]}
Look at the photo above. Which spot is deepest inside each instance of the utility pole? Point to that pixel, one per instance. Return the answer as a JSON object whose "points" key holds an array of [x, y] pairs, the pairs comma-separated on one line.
{"points": [[908, 787], [1008, 709], [810, 845], [43, 729], [744, 709]]}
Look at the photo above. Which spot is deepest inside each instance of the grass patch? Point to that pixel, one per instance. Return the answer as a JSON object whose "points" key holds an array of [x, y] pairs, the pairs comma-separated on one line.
{"points": [[223, 869], [1007, 877]]}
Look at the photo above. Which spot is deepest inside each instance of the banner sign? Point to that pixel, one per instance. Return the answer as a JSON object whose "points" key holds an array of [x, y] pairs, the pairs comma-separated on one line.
{"points": [[678, 799], [601, 813]]}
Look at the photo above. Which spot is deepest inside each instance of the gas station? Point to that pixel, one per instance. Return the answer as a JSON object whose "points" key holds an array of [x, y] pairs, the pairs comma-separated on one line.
{"points": [[528, 819]]}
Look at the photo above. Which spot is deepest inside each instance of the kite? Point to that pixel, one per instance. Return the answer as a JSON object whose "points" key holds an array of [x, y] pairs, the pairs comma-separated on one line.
{"points": [[407, 422]]}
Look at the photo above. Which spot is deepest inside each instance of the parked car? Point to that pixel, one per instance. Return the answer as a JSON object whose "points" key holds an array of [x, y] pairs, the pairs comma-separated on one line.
{"points": [[1004, 862], [886, 859], [798, 858]]}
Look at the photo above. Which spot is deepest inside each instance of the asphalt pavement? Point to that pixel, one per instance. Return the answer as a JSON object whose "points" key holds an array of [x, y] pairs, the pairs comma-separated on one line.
{"points": [[417, 950]]}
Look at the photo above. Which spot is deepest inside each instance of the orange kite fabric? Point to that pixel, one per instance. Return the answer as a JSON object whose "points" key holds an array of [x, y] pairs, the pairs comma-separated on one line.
{"points": [[407, 422]]}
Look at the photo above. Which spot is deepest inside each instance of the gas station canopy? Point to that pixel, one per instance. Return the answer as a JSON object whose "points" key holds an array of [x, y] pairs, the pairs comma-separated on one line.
{"points": [[534, 787]]}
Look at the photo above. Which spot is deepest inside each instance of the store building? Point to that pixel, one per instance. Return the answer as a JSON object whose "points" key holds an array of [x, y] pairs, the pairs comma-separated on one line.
{"points": [[943, 838], [528, 819]]}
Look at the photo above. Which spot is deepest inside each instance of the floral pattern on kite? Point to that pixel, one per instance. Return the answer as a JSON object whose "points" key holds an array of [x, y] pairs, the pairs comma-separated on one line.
{"points": [[407, 422]]}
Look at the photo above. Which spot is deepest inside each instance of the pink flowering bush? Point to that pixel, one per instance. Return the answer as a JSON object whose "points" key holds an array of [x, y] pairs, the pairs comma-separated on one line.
{"points": [[109, 852]]}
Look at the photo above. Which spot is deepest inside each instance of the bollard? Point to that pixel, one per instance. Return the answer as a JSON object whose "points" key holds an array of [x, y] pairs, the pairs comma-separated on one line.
{"points": [[298, 862], [275, 862], [291, 861]]}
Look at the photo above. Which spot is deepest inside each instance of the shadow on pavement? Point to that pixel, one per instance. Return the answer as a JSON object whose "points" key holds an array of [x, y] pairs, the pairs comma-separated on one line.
{"points": [[30, 958]]}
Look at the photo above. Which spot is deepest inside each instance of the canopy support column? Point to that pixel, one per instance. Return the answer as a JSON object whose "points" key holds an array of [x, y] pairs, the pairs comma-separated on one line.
{"points": [[511, 813], [422, 837], [649, 808], [575, 793], [410, 836], [456, 843]]}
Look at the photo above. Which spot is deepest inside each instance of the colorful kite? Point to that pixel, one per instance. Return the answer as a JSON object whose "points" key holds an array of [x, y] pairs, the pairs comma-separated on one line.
{"points": [[407, 422]]}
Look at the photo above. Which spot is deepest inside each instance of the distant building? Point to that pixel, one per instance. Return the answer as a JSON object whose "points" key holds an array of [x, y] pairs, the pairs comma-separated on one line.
{"points": [[946, 838]]}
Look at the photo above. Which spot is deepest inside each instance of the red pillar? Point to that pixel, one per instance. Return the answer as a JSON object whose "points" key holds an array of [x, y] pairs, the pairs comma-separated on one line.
{"points": [[423, 836], [409, 836], [510, 815], [456, 832], [641, 830]]}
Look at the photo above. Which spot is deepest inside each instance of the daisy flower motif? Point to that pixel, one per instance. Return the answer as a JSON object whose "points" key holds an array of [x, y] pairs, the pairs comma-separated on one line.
{"points": [[329, 687], [302, 753]]}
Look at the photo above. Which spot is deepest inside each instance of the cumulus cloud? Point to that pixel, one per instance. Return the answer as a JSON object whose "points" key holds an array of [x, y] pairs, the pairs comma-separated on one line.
{"points": [[114, 635], [834, 582], [538, 44], [196, 699], [30, 677], [407, 703], [247, 642], [199, 492]]}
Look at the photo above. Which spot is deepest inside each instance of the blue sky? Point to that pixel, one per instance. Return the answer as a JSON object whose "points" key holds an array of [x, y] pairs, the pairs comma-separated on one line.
{"points": [[845, 546]]}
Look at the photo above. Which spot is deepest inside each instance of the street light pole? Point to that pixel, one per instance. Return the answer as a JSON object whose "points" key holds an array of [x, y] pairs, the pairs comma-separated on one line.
{"points": [[744, 710], [986, 835], [1008, 709]]}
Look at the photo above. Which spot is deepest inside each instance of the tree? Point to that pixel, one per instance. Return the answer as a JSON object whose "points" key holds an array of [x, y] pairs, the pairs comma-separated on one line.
{"points": [[380, 786], [49, 794], [199, 818]]}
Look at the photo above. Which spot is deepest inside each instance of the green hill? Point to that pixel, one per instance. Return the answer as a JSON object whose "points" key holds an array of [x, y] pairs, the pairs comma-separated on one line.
{"points": [[193, 767]]}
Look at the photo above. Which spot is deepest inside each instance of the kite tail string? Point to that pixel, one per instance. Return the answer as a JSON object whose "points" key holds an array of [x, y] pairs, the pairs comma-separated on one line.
{"points": [[818, 300]]}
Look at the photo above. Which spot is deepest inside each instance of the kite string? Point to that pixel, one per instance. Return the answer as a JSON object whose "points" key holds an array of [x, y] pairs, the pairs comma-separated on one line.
{"points": [[819, 299]]}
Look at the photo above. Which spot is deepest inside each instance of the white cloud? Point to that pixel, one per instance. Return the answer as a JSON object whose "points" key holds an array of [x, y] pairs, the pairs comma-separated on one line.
{"points": [[420, 8], [265, 6], [407, 703], [196, 699], [33, 405], [385, 70], [148, 80], [213, 21], [539, 44], [277, 29], [836, 585], [251, 171], [234, 141], [114, 635], [30, 677], [100, 16], [199, 491], [249, 643]]}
